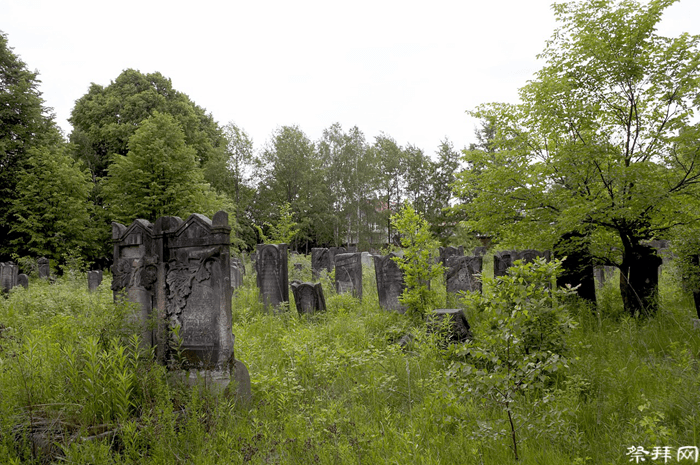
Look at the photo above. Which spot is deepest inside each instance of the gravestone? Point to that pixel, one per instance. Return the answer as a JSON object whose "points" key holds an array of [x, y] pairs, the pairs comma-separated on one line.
{"points": [[447, 252], [179, 272], [348, 274], [480, 251], [577, 270], [8, 276], [23, 280], [603, 274], [194, 292], [460, 274], [272, 277], [501, 262], [134, 272], [94, 279], [44, 268], [390, 282], [459, 329], [237, 272], [308, 297], [321, 259], [504, 260], [335, 251]]}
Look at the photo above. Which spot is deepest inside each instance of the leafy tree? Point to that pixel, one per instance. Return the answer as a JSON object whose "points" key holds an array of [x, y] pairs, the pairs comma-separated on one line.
{"points": [[519, 341], [416, 263], [105, 118], [390, 176], [51, 214], [442, 177], [24, 123], [158, 176], [602, 143], [417, 173]]}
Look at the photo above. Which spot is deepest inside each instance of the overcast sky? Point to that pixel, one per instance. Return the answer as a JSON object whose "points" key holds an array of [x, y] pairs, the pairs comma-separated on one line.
{"points": [[408, 69]]}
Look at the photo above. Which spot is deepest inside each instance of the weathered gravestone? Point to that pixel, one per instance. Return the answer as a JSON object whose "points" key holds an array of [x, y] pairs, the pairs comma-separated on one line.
{"points": [[577, 270], [504, 260], [460, 274], [94, 279], [458, 326], [480, 251], [23, 280], [134, 272], [44, 268], [348, 274], [179, 272], [603, 274], [308, 297], [447, 252], [390, 282], [335, 251], [321, 259], [272, 277], [8, 276], [237, 272]]}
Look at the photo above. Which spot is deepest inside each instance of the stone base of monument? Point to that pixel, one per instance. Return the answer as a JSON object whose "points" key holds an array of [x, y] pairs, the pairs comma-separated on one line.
{"points": [[234, 384], [451, 320]]}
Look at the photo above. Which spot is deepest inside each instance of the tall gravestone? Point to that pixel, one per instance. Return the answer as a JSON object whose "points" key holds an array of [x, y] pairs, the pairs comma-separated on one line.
{"points": [[44, 268], [447, 252], [134, 271], [460, 274], [8, 276], [348, 274], [390, 282], [94, 279], [197, 289], [179, 274], [321, 259], [308, 297], [272, 274], [480, 251], [237, 272], [335, 251]]}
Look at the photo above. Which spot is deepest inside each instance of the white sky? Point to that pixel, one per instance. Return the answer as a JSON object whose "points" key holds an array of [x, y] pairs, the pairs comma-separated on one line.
{"points": [[410, 69]]}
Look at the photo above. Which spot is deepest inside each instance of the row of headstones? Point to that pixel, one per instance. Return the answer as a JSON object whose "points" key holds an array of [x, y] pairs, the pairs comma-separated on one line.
{"points": [[272, 277], [10, 276]]}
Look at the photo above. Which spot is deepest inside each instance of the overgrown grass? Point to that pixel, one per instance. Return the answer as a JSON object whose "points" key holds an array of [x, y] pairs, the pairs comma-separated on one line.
{"points": [[335, 387]]}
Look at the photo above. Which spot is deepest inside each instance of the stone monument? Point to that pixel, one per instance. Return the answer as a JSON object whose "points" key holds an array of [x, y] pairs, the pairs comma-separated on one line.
{"points": [[272, 277], [308, 297], [447, 252], [44, 268], [23, 280], [390, 282], [94, 279], [321, 259], [8, 276], [459, 329], [348, 274], [460, 274]]}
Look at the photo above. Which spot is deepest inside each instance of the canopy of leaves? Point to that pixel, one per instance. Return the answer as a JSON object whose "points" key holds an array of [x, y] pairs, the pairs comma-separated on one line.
{"points": [[603, 138], [158, 176], [105, 118]]}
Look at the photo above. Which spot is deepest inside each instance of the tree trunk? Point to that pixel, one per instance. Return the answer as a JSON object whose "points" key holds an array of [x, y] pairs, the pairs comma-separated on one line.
{"points": [[639, 279]]}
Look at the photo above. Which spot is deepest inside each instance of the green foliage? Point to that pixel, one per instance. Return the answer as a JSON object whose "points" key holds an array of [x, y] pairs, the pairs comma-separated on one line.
{"points": [[25, 124], [51, 214], [159, 175], [416, 264], [604, 138], [284, 231], [520, 339]]}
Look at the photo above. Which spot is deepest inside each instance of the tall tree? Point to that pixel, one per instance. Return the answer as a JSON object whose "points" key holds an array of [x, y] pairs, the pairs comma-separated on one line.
{"points": [[603, 141], [442, 178], [391, 177], [105, 118], [158, 176], [24, 123], [51, 213]]}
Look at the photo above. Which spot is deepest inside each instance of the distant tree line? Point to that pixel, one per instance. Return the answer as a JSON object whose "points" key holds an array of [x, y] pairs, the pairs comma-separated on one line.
{"points": [[141, 149]]}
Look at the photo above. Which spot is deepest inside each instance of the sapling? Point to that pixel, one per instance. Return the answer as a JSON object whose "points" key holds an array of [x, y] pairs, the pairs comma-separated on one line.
{"points": [[518, 338]]}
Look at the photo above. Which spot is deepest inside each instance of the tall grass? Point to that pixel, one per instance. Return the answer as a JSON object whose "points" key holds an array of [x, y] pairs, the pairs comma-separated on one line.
{"points": [[335, 387]]}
